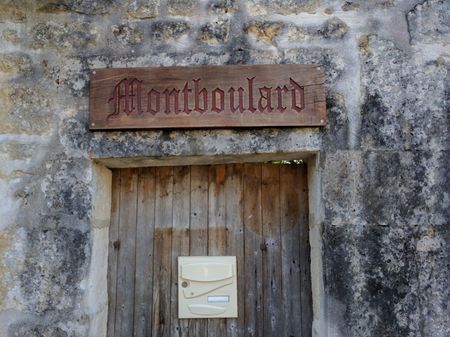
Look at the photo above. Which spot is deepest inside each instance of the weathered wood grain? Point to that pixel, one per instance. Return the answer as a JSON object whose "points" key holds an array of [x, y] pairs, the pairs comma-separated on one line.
{"points": [[305, 251], [217, 236], [234, 222], [290, 249], [162, 252], [113, 251], [199, 231], [144, 98], [180, 242], [253, 300], [256, 212], [270, 200], [143, 292], [127, 257]]}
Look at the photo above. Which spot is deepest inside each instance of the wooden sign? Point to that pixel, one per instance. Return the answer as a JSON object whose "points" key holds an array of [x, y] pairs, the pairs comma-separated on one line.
{"points": [[212, 96]]}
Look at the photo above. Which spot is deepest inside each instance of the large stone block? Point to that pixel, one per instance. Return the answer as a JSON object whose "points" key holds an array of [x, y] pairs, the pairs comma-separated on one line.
{"points": [[405, 106], [67, 37], [216, 32], [332, 61], [429, 22], [335, 134], [14, 64], [11, 35], [70, 73], [332, 29], [342, 189], [128, 34], [182, 7], [367, 4], [143, 9], [14, 11], [402, 188], [25, 110], [87, 7], [371, 277], [169, 30], [55, 264], [264, 31], [263, 7], [222, 6]]}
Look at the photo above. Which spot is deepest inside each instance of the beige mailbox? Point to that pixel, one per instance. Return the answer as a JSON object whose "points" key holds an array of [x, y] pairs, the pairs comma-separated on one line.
{"points": [[207, 287]]}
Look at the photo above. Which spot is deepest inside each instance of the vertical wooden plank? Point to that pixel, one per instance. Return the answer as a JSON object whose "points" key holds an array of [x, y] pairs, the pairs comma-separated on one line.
{"points": [[162, 252], [290, 253], [270, 200], [235, 240], [180, 243], [144, 253], [113, 252], [217, 237], [305, 251], [127, 251], [199, 231], [253, 300]]}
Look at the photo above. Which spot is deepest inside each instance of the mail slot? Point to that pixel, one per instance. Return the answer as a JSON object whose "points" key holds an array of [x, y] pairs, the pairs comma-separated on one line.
{"points": [[207, 287]]}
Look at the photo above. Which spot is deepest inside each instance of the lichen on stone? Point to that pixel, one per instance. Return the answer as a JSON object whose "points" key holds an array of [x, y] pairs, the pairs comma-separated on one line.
{"points": [[216, 32], [264, 31]]}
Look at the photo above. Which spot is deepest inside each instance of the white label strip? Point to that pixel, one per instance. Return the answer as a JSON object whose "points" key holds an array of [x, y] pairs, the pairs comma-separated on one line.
{"points": [[212, 299]]}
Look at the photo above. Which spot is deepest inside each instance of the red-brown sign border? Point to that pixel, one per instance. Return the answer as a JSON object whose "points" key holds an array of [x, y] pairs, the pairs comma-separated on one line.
{"points": [[290, 84]]}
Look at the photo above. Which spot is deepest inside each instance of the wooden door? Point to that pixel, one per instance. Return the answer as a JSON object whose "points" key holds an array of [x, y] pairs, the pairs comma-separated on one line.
{"points": [[257, 212]]}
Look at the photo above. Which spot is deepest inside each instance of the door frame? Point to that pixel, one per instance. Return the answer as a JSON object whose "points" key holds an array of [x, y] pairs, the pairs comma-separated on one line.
{"points": [[96, 295]]}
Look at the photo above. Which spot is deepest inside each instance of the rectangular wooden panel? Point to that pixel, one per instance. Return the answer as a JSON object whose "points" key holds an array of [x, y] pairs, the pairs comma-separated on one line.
{"points": [[127, 257], [301, 177], [143, 292], [217, 236], [199, 231], [253, 285], [234, 223], [290, 249], [113, 252], [210, 96], [256, 212], [270, 200], [162, 252], [180, 242]]}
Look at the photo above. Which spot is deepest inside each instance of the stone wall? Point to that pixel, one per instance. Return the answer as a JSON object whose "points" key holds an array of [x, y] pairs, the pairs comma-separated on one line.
{"points": [[384, 157]]}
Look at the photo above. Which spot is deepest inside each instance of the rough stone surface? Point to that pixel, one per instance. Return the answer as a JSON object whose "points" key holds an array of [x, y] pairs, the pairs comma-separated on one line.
{"points": [[12, 11], [264, 31], [64, 37], [216, 32], [143, 9], [128, 34], [11, 35], [222, 6], [333, 28], [429, 22], [76, 6], [286, 7], [181, 7], [169, 30], [383, 165], [15, 64]]}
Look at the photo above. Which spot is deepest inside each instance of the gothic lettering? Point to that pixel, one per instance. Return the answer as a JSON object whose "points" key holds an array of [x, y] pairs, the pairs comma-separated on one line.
{"points": [[240, 107], [127, 98], [218, 92], [301, 95], [265, 96]]}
